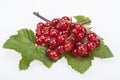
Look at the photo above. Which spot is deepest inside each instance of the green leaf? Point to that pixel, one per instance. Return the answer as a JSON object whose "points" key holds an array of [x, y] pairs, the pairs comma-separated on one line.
{"points": [[79, 64], [102, 51], [82, 19], [24, 43]]}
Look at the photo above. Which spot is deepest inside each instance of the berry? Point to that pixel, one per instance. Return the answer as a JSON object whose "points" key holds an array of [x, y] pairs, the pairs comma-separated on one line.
{"points": [[65, 18], [78, 44], [68, 46], [61, 38], [80, 36], [75, 31], [74, 53], [46, 33], [53, 33], [79, 27], [40, 25], [48, 50], [97, 42], [63, 25], [72, 25], [48, 24], [40, 40], [91, 36], [55, 21], [60, 49], [91, 46], [53, 42], [53, 55], [82, 49], [47, 41]]}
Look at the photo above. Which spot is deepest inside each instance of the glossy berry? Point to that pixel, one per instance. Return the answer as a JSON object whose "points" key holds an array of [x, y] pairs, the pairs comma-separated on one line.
{"points": [[53, 55], [82, 49], [72, 25], [61, 39], [53, 42], [46, 33], [40, 25], [78, 44], [53, 33], [47, 41], [48, 24], [63, 26], [65, 18], [80, 36], [40, 40], [68, 46], [55, 21], [48, 50], [91, 46], [79, 27], [74, 53], [97, 42], [91, 36], [60, 49], [75, 31]]}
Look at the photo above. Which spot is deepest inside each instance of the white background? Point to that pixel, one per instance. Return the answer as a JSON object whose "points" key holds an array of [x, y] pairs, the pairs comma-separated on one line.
{"points": [[17, 14]]}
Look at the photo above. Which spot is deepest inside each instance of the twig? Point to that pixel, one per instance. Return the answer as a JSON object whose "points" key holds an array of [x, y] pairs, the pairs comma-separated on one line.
{"points": [[41, 17]]}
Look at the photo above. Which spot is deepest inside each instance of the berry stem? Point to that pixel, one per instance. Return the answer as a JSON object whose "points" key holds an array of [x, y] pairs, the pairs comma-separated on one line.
{"points": [[41, 17]]}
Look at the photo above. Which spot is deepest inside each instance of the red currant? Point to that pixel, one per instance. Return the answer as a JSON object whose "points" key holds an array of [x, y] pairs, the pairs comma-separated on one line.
{"points": [[55, 21], [91, 36], [68, 46], [53, 55], [53, 42], [53, 33], [40, 25], [72, 25], [65, 18], [74, 53], [91, 46]]}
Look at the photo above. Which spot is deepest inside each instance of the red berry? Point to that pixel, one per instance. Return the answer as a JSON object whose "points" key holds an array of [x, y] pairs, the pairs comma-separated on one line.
{"points": [[79, 27], [40, 25], [91, 46], [65, 18], [53, 55], [46, 33], [38, 34], [74, 53], [91, 36], [68, 46], [75, 31], [63, 25], [82, 49], [48, 24], [53, 33], [78, 44], [61, 38], [72, 39], [97, 42], [48, 50], [80, 36], [55, 21], [40, 41], [66, 33], [47, 41], [72, 25], [60, 49], [53, 42]]}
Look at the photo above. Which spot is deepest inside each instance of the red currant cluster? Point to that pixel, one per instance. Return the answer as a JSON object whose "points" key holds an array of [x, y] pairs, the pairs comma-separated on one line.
{"points": [[62, 35]]}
